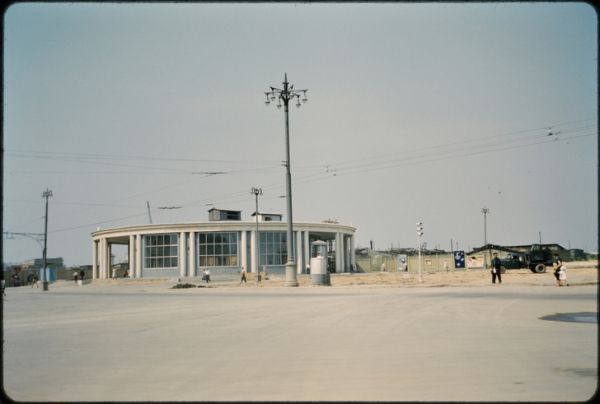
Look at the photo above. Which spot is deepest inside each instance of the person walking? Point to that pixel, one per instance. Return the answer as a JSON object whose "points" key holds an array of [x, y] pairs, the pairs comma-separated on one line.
{"points": [[308, 268], [35, 279], [3, 286], [81, 275], [207, 275], [558, 263], [15, 279], [75, 276], [383, 266], [562, 276], [114, 273], [496, 269], [243, 276]]}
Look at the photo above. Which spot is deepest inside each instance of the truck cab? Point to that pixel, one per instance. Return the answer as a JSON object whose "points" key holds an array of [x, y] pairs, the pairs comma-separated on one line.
{"points": [[512, 261]]}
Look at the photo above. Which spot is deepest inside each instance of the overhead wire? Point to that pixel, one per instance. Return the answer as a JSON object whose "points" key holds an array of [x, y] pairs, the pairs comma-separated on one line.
{"points": [[424, 155]]}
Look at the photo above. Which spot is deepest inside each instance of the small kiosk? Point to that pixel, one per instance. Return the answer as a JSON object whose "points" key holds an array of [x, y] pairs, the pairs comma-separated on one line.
{"points": [[318, 264]]}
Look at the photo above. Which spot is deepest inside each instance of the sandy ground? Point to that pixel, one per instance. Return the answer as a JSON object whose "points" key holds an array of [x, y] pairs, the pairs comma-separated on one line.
{"points": [[578, 273]]}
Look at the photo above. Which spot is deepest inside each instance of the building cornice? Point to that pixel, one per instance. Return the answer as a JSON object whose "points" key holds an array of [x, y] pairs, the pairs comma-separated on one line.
{"points": [[219, 226]]}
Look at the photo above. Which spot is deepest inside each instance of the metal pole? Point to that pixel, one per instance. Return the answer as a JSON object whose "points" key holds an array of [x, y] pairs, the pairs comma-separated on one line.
{"points": [[419, 233], [286, 94], [485, 212], [291, 278], [257, 192], [46, 195]]}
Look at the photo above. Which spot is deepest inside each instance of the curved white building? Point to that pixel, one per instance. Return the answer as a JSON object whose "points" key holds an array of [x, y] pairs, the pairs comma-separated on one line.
{"points": [[223, 244]]}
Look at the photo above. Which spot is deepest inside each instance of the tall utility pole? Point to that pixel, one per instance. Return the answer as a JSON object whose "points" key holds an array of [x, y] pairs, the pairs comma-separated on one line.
{"points": [[485, 211], [256, 192], [46, 195], [419, 234], [286, 94]]}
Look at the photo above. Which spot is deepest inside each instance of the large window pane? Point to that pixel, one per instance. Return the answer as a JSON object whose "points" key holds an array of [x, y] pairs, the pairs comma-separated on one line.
{"points": [[220, 246], [161, 251]]}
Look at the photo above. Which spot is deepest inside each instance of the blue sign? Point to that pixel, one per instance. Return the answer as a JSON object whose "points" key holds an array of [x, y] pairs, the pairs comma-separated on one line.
{"points": [[49, 275], [459, 259]]}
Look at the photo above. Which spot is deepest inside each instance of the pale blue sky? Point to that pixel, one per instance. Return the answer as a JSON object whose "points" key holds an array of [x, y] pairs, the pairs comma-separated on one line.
{"points": [[420, 112]]}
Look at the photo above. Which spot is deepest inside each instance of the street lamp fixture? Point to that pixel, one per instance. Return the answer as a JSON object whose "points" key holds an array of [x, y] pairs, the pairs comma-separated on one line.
{"points": [[256, 192], [285, 95]]}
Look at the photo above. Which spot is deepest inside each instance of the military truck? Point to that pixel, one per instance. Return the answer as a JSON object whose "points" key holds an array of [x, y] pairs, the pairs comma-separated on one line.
{"points": [[539, 258], [536, 259], [512, 261]]}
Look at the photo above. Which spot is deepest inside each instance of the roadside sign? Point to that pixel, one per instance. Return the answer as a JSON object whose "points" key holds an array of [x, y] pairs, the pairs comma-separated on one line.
{"points": [[459, 259]]}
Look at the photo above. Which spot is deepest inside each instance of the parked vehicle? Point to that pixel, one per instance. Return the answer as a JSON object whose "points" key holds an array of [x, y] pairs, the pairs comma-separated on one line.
{"points": [[537, 259], [512, 261]]}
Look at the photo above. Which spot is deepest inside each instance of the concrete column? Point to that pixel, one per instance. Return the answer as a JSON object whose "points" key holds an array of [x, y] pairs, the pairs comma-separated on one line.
{"points": [[95, 260], [243, 251], [343, 253], [306, 250], [338, 255], [193, 257], [347, 255], [137, 273], [101, 275], [253, 257], [131, 255], [182, 254], [298, 254], [352, 253], [109, 259]]}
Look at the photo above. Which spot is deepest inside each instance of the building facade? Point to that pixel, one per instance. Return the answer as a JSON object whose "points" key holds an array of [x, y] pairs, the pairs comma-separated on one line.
{"points": [[224, 245]]}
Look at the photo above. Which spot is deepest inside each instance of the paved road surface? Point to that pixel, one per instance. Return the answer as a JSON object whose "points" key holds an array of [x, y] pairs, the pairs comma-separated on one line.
{"points": [[150, 343]]}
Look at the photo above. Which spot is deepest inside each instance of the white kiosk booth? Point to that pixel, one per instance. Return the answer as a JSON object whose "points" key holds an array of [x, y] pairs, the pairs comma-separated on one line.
{"points": [[318, 264]]}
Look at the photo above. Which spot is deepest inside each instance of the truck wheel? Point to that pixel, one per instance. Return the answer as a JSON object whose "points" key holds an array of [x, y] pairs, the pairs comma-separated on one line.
{"points": [[540, 268], [502, 269]]}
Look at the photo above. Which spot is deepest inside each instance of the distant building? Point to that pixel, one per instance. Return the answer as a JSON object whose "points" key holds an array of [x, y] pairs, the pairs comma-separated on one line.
{"points": [[555, 248], [268, 217], [577, 254], [37, 263]]}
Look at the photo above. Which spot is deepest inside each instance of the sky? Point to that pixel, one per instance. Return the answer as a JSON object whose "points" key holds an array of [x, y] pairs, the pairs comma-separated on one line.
{"points": [[422, 112]]}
